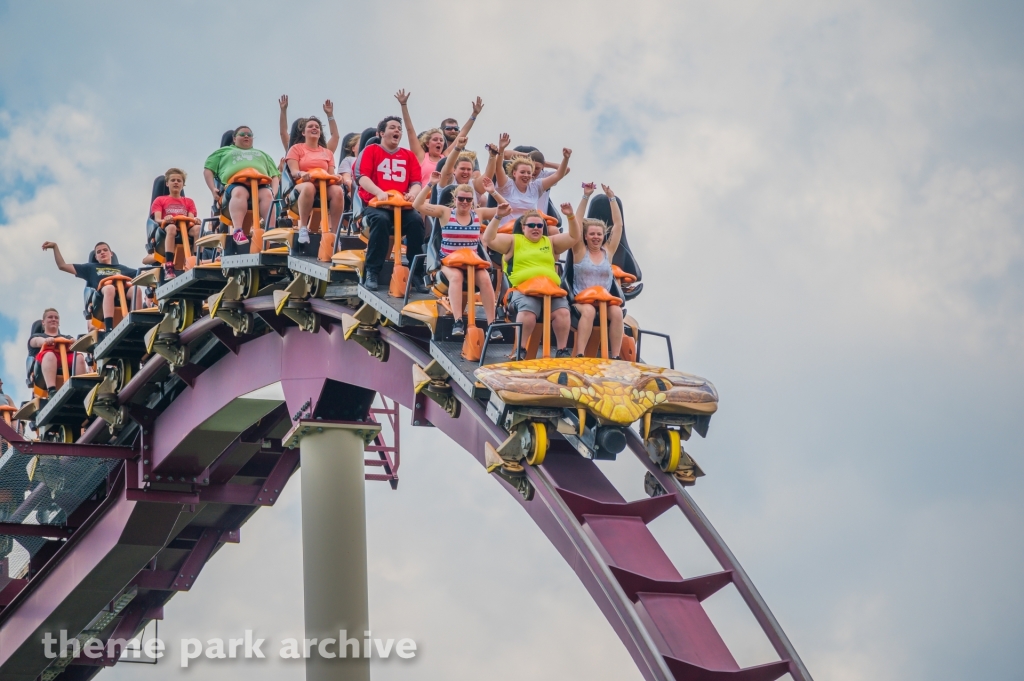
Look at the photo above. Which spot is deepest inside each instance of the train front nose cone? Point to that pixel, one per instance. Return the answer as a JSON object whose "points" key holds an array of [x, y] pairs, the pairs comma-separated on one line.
{"points": [[611, 439]]}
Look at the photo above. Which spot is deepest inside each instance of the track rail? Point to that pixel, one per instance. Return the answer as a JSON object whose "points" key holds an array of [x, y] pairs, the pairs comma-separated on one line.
{"points": [[655, 612]]}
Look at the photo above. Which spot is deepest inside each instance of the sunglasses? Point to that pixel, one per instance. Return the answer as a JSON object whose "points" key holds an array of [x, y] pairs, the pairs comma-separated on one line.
{"points": [[451, 127], [467, 199], [244, 134], [534, 225]]}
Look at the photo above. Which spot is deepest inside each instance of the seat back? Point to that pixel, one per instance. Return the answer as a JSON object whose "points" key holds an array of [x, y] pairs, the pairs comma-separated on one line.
{"points": [[364, 141], [227, 139]]}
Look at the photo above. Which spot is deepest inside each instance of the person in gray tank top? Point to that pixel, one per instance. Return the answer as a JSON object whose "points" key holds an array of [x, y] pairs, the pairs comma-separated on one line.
{"points": [[592, 266]]}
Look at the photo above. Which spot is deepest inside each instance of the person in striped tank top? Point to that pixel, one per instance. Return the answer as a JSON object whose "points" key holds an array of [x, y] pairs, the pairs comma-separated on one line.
{"points": [[460, 228]]}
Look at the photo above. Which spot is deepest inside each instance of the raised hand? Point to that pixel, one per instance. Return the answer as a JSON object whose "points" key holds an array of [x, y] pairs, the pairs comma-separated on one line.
{"points": [[47, 245], [403, 97], [566, 152], [566, 209], [283, 101], [588, 188], [487, 183], [460, 142], [503, 141], [435, 177], [478, 106], [503, 209], [608, 192], [329, 108]]}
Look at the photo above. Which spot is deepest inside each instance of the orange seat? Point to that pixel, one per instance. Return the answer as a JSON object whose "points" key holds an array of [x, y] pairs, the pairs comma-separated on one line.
{"points": [[622, 275], [597, 294], [245, 175], [396, 200], [8, 412], [465, 257], [118, 281], [254, 179], [540, 286], [317, 174]]}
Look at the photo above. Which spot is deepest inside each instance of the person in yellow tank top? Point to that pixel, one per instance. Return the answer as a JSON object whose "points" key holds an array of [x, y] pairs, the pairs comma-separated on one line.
{"points": [[533, 255]]}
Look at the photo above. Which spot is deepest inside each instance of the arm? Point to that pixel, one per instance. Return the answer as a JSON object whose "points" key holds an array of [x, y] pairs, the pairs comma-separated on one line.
{"points": [[335, 139], [293, 168], [478, 106], [579, 248], [283, 123], [502, 243], [499, 168], [616, 236], [211, 184], [488, 172], [491, 213], [421, 206], [58, 258], [449, 165], [563, 168], [39, 341], [564, 241], [414, 143], [367, 184]]}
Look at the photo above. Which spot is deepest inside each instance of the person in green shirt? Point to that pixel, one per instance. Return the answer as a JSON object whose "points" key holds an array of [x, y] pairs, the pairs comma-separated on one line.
{"points": [[534, 255], [224, 163]]}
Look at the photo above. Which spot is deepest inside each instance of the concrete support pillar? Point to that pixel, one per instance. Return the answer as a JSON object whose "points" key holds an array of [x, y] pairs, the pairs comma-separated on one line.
{"points": [[334, 543]]}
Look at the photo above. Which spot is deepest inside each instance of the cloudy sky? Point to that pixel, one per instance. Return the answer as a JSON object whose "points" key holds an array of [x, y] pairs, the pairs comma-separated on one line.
{"points": [[825, 198]]}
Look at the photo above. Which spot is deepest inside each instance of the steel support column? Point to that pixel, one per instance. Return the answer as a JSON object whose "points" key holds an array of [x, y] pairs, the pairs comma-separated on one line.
{"points": [[334, 543]]}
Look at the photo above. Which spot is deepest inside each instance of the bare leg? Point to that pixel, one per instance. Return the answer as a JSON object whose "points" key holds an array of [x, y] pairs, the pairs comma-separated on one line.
{"points": [[335, 204], [49, 364], [483, 283], [238, 207], [80, 367], [529, 322], [109, 300], [266, 202], [172, 235], [584, 327], [307, 192], [614, 330], [455, 284], [560, 322]]}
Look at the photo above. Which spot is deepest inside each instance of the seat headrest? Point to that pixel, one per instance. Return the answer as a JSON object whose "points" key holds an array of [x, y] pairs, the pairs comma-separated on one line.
{"points": [[366, 136], [227, 139]]}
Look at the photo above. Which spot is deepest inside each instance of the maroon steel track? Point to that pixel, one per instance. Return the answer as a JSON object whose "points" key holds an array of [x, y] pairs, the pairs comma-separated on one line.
{"points": [[656, 613]]}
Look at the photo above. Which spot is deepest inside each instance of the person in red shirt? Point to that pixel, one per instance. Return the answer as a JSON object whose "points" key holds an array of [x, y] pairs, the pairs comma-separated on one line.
{"points": [[166, 208], [383, 167], [310, 154]]}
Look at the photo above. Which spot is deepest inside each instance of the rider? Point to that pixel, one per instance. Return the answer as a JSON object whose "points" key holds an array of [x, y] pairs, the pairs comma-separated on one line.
{"points": [[93, 273], [523, 192], [224, 163], [432, 146], [382, 167], [289, 139], [534, 255], [460, 228], [310, 154], [459, 168], [166, 208], [47, 359], [592, 266]]}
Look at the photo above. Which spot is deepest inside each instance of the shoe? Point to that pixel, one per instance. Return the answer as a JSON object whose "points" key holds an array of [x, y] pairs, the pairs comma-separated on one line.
{"points": [[499, 313], [303, 235], [370, 281], [564, 352], [521, 354], [169, 271], [459, 328], [50, 392], [496, 335], [240, 238]]}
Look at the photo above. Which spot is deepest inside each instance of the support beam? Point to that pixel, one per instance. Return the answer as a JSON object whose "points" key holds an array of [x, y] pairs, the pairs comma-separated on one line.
{"points": [[334, 541]]}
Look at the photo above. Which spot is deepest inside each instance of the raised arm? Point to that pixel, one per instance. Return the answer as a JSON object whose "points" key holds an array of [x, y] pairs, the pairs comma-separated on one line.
{"points": [[478, 106], [491, 213], [414, 143], [616, 236], [499, 168], [563, 168], [58, 258], [283, 123], [492, 152], [421, 206], [580, 247], [502, 243], [563, 241], [335, 139], [449, 165]]}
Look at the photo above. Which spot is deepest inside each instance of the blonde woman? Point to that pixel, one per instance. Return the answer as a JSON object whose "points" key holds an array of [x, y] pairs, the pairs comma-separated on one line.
{"points": [[592, 266], [515, 180]]}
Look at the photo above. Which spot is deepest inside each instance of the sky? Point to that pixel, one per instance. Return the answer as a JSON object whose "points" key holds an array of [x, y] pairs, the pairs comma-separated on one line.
{"points": [[825, 198]]}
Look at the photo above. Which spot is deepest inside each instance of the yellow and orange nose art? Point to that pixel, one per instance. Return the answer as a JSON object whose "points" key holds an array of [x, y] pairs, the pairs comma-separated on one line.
{"points": [[615, 392]]}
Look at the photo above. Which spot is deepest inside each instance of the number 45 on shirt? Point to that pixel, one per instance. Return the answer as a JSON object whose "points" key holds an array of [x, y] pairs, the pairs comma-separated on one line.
{"points": [[392, 169]]}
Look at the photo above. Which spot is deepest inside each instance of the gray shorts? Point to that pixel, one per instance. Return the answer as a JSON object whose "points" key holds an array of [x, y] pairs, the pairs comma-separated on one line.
{"points": [[520, 302]]}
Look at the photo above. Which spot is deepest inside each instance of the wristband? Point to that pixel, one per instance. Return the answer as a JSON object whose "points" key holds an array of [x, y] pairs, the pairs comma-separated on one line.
{"points": [[472, 118], [330, 118]]}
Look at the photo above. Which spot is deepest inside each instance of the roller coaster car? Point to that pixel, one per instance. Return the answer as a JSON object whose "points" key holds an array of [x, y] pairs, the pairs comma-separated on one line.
{"points": [[592, 401]]}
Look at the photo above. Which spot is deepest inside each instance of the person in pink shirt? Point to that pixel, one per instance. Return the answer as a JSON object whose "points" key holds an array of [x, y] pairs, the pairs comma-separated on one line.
{"points": [[166, 208], [313, 153]]}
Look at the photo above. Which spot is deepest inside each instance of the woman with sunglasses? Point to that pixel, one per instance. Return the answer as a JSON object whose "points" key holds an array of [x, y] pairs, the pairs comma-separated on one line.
{"points": [[592, 266], [431, 147], [460, 228], [312, 153], [533, 253]]}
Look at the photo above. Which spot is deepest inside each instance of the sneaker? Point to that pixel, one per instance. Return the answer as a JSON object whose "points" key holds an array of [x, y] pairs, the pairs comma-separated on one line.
{"points": [[459, 328], [303, 235], [370, 281], [496, 335], [564, 352], [50, 392], [169, 271], [240, 238]]}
